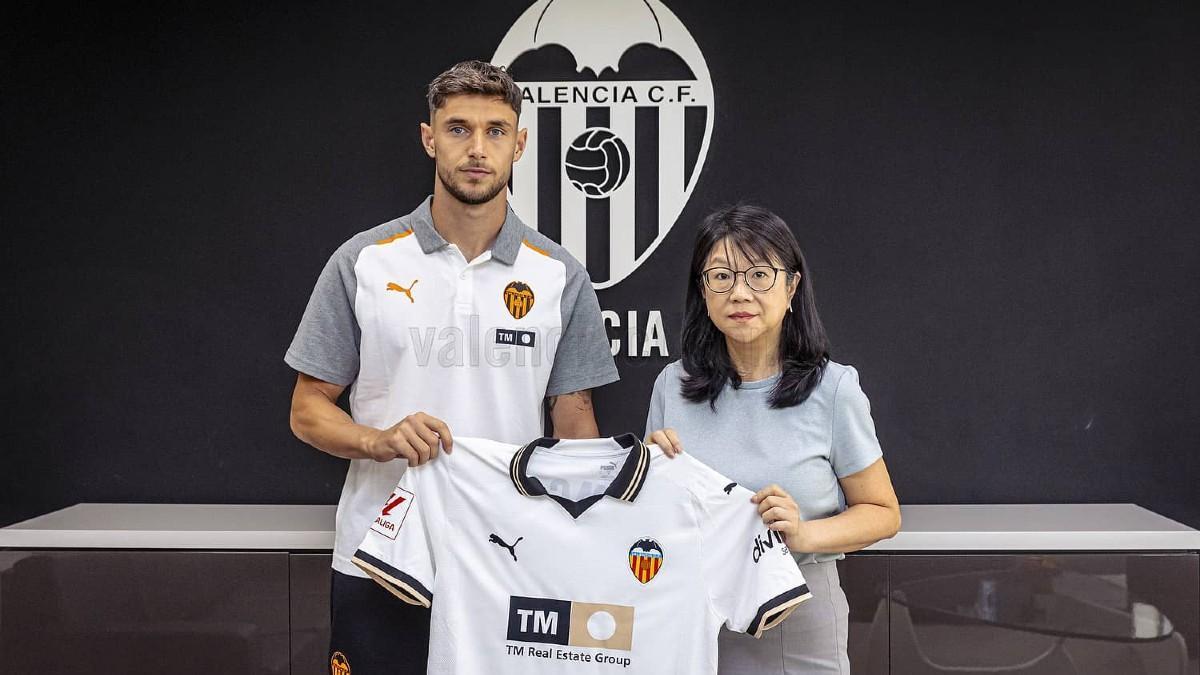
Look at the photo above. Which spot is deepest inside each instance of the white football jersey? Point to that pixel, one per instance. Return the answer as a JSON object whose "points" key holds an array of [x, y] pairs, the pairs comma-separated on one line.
{"points": [[578, 556]]}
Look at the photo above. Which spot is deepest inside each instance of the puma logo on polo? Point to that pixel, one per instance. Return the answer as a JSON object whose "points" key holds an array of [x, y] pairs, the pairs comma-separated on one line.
{"points": [[729, 488], [495, 539], [407, 291]]}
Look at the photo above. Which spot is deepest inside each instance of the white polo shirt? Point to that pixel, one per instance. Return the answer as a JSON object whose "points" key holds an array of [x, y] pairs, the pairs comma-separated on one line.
{"points": [[578, 556], [402, 317]]}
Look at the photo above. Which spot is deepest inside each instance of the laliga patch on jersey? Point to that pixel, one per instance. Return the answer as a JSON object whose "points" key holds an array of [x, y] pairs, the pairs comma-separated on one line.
{"points": [[395, 510], [645, 559], [339, 664], [518, 299]]}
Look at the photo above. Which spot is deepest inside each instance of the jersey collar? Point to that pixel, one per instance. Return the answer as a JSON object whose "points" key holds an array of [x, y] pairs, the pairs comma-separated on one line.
{"points": [[625, 486], [505, 248]]}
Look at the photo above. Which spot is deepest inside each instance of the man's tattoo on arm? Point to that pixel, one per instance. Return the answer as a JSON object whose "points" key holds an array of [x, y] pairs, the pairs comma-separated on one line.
{"points": [[580, 400]]}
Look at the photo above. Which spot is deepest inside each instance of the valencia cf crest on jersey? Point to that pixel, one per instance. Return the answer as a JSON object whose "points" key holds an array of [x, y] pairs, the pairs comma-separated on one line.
{"points": [[338, 665], [645, 559], [518, 298]]}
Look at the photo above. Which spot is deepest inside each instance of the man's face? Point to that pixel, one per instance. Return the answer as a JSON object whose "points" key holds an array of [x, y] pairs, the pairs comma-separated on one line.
{"points": [[473, 141]]}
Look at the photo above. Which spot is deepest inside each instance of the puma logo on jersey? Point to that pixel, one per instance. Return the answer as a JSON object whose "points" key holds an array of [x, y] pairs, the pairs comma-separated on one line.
{"points": [[729, 488], [495, 539], [407, 291]]}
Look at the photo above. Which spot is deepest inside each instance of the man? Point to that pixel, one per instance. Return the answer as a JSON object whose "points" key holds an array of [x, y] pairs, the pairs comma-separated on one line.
{"points": [[454, 319]]}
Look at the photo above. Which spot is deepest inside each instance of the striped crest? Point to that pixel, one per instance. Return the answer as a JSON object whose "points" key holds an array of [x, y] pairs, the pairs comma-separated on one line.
{"points": [[518, 299], [338, 665], [645, 559], [618, 103]]}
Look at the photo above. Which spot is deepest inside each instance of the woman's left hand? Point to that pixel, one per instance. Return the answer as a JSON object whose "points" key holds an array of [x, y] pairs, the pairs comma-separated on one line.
{"points": [[781, 514]]}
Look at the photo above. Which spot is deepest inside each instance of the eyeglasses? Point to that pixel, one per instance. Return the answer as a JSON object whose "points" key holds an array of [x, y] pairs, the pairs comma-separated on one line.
{"points": [[760, 278]]}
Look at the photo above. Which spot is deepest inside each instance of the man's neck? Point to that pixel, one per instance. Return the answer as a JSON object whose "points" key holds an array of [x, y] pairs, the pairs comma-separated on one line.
{"points": [[473, 228]]}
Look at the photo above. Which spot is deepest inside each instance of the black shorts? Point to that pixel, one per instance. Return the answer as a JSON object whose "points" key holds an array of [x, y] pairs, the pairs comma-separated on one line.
{"points": [[373, 632]]}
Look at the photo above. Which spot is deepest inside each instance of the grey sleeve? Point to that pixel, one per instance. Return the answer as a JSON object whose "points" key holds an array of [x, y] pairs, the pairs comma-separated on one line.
{"points": [[658, 404], [583, 359], [326, 342], [854, 445]]}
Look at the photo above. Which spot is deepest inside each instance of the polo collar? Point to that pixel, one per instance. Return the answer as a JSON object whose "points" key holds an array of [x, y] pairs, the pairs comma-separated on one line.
{"points": [[505, 248], [626, 486]]}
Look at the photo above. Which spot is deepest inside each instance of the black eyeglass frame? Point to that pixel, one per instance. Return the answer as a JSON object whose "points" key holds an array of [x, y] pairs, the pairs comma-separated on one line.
{"points": [[775, 279]]}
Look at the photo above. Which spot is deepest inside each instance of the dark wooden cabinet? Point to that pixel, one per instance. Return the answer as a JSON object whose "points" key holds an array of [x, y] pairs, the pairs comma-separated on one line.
{"points": [[1043, 614], [310, 579], [183, 612], [144, 612], [1023, 614], [865, 582]]}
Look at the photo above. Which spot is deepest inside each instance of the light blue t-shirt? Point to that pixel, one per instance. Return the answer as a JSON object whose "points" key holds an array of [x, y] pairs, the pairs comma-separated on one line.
{"points": [[804, 449]]}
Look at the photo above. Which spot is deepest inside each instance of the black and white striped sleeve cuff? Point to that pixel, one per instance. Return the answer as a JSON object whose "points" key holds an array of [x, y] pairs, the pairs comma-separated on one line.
{"points": [[400, 584], [775, 610]]}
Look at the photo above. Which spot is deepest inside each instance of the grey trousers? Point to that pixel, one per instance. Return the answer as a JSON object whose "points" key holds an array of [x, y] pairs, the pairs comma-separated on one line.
{"points": [[811, 641]]}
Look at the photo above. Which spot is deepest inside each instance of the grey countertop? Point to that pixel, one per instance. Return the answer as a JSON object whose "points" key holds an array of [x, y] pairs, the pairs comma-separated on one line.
{"points": [[944, 527]]}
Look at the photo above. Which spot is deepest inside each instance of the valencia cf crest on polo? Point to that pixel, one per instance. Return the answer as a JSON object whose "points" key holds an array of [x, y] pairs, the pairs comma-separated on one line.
{"points": [[578, 556], [338, 665], [518, 299]]}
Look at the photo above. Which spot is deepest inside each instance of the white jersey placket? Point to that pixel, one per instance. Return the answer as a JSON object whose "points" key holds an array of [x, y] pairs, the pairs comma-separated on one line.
{"points": [[466, 315]]}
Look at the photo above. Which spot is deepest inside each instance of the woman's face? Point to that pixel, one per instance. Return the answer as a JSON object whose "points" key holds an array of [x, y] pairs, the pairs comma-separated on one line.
{"points": [[747, 316]]}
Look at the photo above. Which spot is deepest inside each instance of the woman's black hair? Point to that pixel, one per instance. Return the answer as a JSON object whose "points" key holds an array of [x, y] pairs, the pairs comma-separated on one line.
{"points": [[760, 236]]}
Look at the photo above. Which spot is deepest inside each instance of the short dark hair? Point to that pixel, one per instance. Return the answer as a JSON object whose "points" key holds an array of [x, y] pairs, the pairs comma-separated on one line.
{"points": [[759, 235], [474, 77]]}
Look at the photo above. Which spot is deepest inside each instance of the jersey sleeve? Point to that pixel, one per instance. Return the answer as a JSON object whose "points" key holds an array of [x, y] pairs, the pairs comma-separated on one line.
{"points": [[399, 551], [753, 581], [583, 359], [854, 445], [326, 342]]}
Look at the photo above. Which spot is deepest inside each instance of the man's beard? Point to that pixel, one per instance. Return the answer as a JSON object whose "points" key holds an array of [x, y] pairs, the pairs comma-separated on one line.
{"points": [[447, 177]]}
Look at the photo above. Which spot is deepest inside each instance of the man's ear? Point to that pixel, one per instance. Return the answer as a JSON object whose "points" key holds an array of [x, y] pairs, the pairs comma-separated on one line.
{"points": [[522, 137], [427, 140]]}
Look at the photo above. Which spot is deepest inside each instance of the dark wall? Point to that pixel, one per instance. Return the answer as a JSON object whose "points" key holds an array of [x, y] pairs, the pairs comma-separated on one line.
{"points": [[999, 204]]}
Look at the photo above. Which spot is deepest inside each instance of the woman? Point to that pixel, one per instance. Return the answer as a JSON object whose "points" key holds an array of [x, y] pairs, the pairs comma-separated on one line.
{"points": [[757, 398]]}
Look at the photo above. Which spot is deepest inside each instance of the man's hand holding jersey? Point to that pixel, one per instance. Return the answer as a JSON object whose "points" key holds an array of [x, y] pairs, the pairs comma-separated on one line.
{"points": [[317, 420], [416, 438]]}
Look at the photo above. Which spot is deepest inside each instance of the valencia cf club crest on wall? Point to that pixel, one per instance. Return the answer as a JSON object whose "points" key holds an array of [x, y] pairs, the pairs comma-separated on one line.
{"points": [[619, 106], [645, 559]]}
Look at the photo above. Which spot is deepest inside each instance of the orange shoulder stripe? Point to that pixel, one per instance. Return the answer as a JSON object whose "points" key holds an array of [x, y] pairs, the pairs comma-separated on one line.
{"points": [[526, 242], [395, 237]]}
